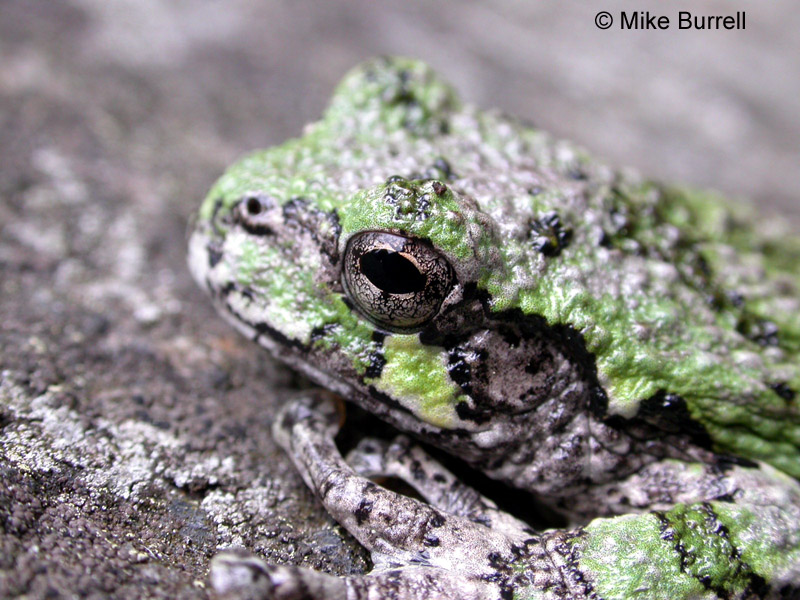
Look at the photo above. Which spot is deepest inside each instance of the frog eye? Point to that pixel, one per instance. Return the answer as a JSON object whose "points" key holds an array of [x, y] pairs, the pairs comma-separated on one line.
{"points": [[397, 282]]}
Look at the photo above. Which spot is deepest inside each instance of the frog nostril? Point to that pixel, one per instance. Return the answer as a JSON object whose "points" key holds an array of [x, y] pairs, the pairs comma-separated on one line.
{"points": [[253, 212], [254, 206]]}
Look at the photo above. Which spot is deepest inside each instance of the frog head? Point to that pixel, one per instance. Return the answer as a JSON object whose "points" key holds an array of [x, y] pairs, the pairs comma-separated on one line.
{"points": [[361, 296]]}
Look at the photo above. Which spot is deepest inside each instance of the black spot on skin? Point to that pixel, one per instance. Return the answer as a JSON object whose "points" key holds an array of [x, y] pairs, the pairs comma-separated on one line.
{"points": [[670, 413], [378, 337], [550, 237], [214, 255], [459, 369], [518, 551], [481, 409], [295, 209], [495, 560], [225, 290], [417, 472], [439, 478], [437, 520], [431, 541], [725, 462], [494, 577], [363, 511], [481, 520], [319, 333], [274, 334], [376, 363], [215, 219], [756, 588], [758, 330], [784, 391], [477, 415], [422, 558]]}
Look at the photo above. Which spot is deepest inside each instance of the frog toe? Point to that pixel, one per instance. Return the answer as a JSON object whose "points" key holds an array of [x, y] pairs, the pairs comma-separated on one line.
{"points": [[320, 410], [236, 575]]}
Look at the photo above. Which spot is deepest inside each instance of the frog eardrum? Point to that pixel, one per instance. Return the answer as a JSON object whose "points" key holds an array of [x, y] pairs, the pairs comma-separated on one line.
{"points": [[397, 282]]}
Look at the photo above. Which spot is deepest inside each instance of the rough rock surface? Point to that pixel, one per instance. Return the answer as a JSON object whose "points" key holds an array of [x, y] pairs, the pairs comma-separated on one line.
{"points": [[133, 422]]}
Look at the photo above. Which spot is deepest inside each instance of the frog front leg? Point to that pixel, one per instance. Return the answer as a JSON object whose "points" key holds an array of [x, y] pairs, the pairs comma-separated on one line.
{"points": [[419, 551]]}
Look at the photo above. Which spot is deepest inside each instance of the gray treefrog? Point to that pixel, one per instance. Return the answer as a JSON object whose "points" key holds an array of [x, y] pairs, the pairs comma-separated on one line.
{"points": [[625, 351]]}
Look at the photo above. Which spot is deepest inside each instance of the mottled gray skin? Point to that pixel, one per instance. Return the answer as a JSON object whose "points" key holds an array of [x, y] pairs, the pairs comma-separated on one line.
{"points": [[538, 359]]}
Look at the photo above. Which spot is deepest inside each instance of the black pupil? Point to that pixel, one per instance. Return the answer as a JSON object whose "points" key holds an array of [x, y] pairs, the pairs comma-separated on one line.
{"points": [[392, 272]]}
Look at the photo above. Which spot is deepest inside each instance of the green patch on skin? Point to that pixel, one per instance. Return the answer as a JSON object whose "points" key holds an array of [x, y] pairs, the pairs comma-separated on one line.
{"points": [[408, 96], [416, 376], [717, 223], [351, 333], [251, 261], [675, 341], [281, 173], [417, 209], [628, 558], [294, 304], [706, 552], [766, 550], [690, 551]]}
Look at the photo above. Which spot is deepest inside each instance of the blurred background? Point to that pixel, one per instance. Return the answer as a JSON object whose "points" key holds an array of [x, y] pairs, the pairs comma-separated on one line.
{"points": [[190, 84], [133, 422]]}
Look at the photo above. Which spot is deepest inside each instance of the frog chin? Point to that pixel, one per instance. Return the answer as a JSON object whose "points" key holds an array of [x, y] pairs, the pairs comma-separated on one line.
{"points": [[198, 258]]}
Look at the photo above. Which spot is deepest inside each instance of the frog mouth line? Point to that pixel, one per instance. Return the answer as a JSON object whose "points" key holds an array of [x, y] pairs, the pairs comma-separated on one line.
{"points": [[293, 353], [369, 399]]}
